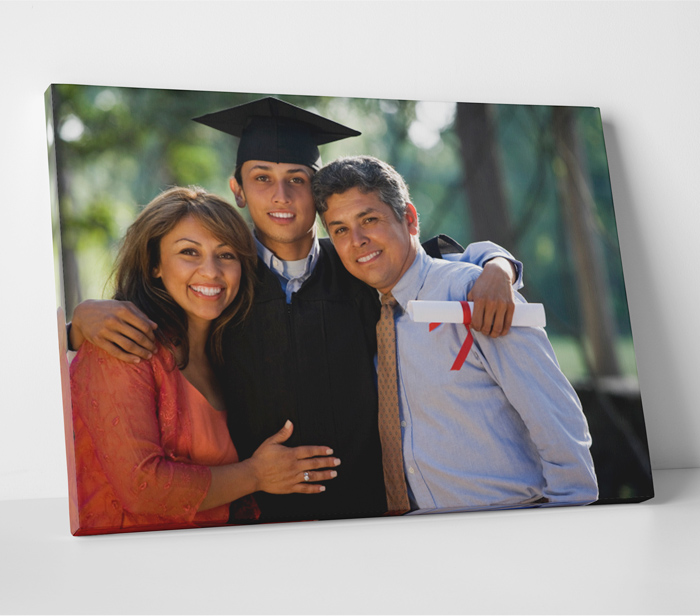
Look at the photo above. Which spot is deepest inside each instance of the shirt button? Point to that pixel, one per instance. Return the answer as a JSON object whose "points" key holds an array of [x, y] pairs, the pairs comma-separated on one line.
{"points": [[403, 424], [410, 470]]}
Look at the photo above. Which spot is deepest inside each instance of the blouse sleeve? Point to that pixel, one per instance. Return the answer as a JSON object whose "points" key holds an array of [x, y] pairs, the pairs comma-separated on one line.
{"points": [[117, 402]]}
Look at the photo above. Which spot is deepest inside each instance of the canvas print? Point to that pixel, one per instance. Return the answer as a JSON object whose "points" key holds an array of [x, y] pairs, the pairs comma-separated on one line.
{"points": [[283, 308]]}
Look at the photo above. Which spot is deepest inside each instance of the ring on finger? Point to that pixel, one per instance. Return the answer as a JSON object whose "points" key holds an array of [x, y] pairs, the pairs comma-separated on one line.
{"points": [[306, 476]]}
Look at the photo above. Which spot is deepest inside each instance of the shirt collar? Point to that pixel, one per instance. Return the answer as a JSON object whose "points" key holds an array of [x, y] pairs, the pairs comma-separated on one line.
{"points": [[277, 265], [410, 284]]}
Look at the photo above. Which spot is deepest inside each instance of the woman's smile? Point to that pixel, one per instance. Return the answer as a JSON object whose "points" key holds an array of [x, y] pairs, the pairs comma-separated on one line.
{"points": [[200, 273]]}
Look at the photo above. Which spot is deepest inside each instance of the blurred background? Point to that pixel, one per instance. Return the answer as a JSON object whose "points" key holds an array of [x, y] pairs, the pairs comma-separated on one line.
{"points": [[532, 178]]}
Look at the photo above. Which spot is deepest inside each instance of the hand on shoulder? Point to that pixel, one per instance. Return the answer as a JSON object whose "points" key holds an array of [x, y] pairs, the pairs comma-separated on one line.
{"points": [[494, 299]]}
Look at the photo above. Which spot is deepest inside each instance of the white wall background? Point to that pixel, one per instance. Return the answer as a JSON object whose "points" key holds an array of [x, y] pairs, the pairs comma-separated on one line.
{"points": [[638, 62]]}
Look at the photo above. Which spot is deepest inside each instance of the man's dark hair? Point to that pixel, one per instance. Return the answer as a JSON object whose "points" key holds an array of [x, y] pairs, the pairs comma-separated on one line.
{"points": [[367, 174]]}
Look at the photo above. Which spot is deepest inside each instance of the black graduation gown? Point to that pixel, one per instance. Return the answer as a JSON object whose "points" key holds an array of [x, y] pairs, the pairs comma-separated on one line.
{"points": [[310, 361]]}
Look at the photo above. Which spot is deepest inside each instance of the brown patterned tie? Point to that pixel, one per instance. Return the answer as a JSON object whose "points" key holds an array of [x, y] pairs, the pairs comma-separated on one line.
{"points": [[389, 423]]}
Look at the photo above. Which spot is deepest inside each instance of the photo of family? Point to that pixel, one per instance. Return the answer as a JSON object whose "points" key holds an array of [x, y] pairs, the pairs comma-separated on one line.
{"points": [[235, 276]]}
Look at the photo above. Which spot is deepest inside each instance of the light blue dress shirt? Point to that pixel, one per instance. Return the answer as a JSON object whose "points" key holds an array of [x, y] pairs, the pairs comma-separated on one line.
{"points": [[291, 274], [504, 430]]}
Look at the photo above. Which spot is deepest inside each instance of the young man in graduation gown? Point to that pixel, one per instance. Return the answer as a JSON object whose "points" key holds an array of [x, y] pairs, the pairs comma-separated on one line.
{"points": [[306, 350]]}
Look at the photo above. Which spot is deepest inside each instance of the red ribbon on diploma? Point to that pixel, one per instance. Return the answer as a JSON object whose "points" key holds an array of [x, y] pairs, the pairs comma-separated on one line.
{"points": [[467, 344]]}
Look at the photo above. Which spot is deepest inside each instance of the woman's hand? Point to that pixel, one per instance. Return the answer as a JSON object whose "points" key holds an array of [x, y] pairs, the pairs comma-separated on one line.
{"points": [[281, 470], [273, 468]]}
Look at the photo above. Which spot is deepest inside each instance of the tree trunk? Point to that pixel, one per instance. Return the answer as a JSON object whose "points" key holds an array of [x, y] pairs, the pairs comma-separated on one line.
{"points": [[483, 181], [68, 286], [579, 214]]}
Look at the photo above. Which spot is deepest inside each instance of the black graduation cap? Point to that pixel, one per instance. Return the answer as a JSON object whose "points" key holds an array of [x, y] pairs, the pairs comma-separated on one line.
{"points": [[277, 131]]}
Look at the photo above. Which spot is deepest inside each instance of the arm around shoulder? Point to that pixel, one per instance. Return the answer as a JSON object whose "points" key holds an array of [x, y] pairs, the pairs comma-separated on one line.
{"points": [[481, 253], [117, 327]]}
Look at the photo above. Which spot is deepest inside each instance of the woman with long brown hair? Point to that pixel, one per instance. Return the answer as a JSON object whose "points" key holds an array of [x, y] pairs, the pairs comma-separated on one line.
{"points": [[152, 448]]}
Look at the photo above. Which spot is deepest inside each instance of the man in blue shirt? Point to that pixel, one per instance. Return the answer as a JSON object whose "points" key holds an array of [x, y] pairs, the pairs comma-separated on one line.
{"points": [[499, 427]]}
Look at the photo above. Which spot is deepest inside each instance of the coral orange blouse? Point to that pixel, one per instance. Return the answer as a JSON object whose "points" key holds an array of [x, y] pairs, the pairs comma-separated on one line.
{"points": [[143, 438]]}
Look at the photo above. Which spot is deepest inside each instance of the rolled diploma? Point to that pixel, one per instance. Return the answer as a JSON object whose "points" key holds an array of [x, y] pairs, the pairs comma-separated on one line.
{"points": [[525, 315]]}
